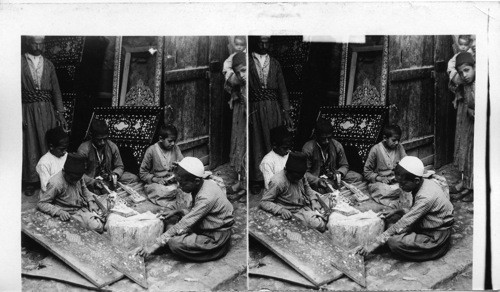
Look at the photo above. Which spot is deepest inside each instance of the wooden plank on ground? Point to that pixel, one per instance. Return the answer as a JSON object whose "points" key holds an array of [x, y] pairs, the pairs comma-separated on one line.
{"points": [[274, 267], [87, 252], [306, 250], [52, 268], [134, 268]]}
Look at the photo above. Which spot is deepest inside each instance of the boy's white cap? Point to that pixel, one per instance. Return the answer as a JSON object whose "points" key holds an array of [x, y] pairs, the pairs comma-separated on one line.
{"points": [[194, 166], [413, 165]]}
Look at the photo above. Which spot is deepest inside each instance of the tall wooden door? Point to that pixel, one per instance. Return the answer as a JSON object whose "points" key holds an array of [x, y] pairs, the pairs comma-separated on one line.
{"points": [[419, 98], [194, 91], [446, 115]]}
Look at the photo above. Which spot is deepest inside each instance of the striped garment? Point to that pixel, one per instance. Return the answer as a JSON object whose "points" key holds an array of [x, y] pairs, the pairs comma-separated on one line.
{"points": [[431, 210], [271, 164], [211, 212]]}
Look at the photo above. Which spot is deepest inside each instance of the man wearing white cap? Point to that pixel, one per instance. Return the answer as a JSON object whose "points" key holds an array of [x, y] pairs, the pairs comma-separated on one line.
{"points": [[424, 232], [204, 233]]}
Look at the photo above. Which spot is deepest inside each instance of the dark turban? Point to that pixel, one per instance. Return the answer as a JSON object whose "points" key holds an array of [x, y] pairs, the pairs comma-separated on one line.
{"points": [[297, 162], [99, 127], [323, 127], [75, 164]]}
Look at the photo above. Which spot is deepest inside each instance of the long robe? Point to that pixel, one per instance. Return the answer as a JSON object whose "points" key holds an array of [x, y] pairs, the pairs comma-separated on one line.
{"points": [[464, 135], [38, 116], [239, 134], [264, 114]]}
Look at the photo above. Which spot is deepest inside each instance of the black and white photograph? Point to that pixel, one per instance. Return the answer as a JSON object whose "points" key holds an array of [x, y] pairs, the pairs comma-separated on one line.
{"points": [[249, 146], [368, 163], [133, 162]]}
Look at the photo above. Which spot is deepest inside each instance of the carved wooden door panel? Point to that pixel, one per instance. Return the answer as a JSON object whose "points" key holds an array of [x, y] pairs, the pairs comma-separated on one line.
{"points": [[412, 93], [193, 89]]}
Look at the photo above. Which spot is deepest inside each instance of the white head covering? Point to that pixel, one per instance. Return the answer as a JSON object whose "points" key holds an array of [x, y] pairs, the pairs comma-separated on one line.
{"points": [[413, 165], [194, 166]]}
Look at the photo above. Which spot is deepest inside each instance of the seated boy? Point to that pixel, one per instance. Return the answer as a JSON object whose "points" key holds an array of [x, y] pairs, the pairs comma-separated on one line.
{"points": [[68, 197], [275, 160], [157, 167], [104, 160], [326, 156], [424, 232], [380, 164], [289, 193], [53, 161], [204, 233]]}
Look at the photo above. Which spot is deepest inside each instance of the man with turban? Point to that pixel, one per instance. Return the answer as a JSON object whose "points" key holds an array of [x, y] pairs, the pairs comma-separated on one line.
{"points": [[424, 232], [204, 232], [326, 156], [105, 161], [269, 105], [41, 104]]}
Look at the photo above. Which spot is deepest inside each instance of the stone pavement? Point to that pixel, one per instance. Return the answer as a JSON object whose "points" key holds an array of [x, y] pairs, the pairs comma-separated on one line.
{"points": [[387, 273], [166, 272]]}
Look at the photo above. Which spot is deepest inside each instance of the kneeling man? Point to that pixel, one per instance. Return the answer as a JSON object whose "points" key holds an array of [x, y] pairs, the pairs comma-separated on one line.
{"points": [[204, 233], [424, 231], [289, 193]]}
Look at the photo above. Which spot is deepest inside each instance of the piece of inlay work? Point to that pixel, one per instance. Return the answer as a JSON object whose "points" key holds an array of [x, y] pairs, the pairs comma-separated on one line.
{"points": [[359, 126], [86, 251], [306, 250], [131, 128]]}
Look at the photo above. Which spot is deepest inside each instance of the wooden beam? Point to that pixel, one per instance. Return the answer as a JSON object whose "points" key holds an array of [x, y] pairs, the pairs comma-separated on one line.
{"points": [[420, 141], [191, 143], [411, 73], [352, 74], [186, 74], [367, 48], [205, 160], [428, 160]]}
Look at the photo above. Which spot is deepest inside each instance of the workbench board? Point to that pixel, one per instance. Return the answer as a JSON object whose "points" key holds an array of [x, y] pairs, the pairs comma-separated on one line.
{"points": [[86, 251], [273, 267], [52, 268], [306, 250]]}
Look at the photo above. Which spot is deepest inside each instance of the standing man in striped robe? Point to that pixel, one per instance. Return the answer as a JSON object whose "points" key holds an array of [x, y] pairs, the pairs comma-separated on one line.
{"points": [[41, 104], [423, 232]]}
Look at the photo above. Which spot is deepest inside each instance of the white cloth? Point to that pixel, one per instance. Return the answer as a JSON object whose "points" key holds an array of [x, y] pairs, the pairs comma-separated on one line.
{"points": [[271, 164], [48, 166], [36, 67], [261, 58]]}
